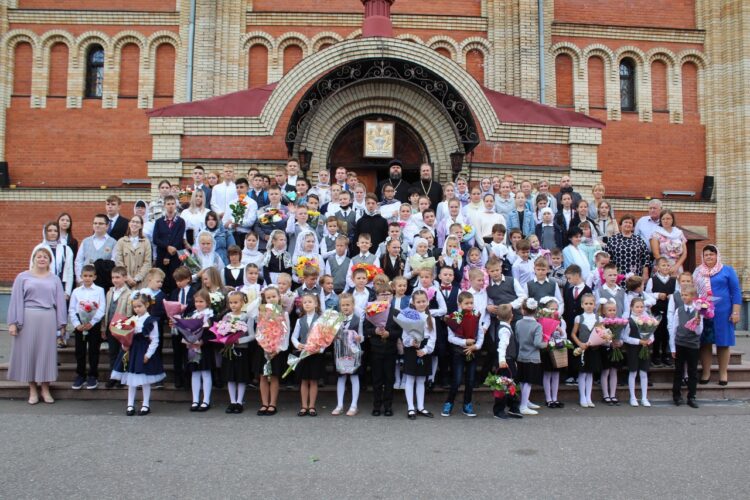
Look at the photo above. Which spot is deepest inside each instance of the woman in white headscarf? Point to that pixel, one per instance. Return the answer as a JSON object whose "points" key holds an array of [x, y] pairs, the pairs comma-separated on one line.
{"points": [[205, 252], [62, 264]]}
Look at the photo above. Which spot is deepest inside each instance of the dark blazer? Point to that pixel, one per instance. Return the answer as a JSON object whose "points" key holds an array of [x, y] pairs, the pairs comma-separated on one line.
{"points": [[388, 269], [119, 229], [561, 232], [165, 237], [558, 233], [260, 198], [174, 296], [389, 344], [572, 305]]}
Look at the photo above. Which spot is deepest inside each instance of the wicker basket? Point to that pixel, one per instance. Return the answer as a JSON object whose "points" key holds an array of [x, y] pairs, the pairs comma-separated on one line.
{"points": [[559, 358]]}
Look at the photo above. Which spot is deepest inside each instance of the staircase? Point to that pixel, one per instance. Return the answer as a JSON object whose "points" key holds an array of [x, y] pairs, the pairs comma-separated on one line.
{"points": [[738, 388]]}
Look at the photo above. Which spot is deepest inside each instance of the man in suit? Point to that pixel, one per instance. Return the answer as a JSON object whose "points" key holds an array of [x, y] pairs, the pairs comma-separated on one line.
{"points": [[169, 232], [117, 225], [198, 174]]}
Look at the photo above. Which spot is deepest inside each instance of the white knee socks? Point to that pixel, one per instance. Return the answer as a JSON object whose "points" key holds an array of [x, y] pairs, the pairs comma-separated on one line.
{"points": [[554, 385], [131, 395], [420, 392], [232, 389], [434, 368], [525, 393], [547, 382], [146, 394], [644, 384], [409, 391], [207, 386], [585, 384], [355, 390], [195, 385]]}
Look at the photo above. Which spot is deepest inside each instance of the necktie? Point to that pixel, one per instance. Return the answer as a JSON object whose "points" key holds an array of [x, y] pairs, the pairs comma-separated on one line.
{"points": [[575, 293], [182, 296], [170, 223], [111, 224]]}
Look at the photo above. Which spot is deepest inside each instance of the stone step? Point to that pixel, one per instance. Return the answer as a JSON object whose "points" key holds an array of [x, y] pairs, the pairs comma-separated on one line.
{"points": [[569, 394], [736, 373]]}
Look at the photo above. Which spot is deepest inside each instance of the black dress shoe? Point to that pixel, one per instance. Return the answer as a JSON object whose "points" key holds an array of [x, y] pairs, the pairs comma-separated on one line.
{"points": [[412, 415], [692, 403], [230, 408], [723, 382], [678, 401], [194, 407], [110, 384], [375, 413], [425, 413], [704, 381], [388, 412], [130, 411]]}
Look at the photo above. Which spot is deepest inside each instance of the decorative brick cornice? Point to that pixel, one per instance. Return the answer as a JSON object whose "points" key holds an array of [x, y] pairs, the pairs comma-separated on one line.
{"points": [[93, 17], [628, 33], [402, 21]]}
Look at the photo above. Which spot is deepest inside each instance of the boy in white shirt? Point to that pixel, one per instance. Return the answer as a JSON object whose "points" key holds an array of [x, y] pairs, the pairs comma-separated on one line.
{"points": [[86, 299], [523, 267]]}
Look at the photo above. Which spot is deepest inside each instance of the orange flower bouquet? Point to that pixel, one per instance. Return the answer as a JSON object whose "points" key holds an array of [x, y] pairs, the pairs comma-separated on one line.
{"points": [[372, 270], [322, 335]]}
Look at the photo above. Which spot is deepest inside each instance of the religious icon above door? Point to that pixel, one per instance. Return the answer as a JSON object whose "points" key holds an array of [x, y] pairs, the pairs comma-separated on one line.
{"points": [[379, 138]]}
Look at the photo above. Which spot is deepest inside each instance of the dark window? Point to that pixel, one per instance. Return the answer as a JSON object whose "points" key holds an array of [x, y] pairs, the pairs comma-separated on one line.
{"points": [[627, 85], [94, 71]]}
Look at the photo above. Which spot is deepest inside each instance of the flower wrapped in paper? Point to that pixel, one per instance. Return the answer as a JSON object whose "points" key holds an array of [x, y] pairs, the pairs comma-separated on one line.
{"points": [[189, 260], [469, 232], [377, 312], [274, 218], [501, 385], [347, 352], [271, 333], [412, 323], [370, 269], [704, 307], [238, 208], [228, 332], [122, 329], [417, 262], [304, 263], [600, 336], [321, 335], [615, 325], [218, 303], [86, 311], [550, 322], [192, 331], [464, 324], [646, 327]]}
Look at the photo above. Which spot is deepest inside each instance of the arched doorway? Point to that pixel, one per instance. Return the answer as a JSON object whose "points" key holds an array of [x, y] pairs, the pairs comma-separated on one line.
{"points": [[347, 151]]}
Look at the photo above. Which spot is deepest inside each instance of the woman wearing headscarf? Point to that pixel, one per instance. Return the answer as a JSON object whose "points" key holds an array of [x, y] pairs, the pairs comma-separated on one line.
{"points": [[205, 251], [720, 282], [62, 257]]}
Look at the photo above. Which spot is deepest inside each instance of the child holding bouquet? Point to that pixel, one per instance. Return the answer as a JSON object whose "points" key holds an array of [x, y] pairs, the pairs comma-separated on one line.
{"points": [[352, 322], [235, 367], [117, 302], [383, 336], [277, 260], [417, 355], [529, 338], [466, 337], [272, 334], [311, 368], [583, 329], [611, 356], [200, 356], [507, 353], [140, 364], [638, 338], [685, 329], [85, 313], [553, 334]]}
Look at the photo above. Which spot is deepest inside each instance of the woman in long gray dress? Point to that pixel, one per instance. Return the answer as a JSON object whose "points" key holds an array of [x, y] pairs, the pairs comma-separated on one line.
{"points": [[37, 312]]}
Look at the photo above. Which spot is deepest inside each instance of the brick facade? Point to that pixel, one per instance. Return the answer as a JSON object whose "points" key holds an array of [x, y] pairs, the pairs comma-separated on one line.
{"points": [[687, 54]]}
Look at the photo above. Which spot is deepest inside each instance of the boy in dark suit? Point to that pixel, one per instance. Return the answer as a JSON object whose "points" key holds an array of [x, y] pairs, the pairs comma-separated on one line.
{"points": [[450, 292], [169, 232], [383, 349], [572, 295], [183, 293], [117, 224]]}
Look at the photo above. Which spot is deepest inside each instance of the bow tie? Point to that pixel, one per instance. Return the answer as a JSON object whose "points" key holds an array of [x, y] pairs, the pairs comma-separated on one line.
{"points": [[446, 287]]}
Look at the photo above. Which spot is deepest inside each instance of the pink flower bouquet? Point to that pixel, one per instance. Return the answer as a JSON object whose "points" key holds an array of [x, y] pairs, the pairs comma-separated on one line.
{"points": [[321, 335], [271, 333], [227, 332]]}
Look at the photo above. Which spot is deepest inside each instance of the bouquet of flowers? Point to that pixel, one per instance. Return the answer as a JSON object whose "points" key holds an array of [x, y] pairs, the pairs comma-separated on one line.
{"points": [[646, 327], [185, 195], [600, 336], [558, 349], [412, 323], [228, 331], [192, 331], [305, 262], [418, 262], [321, 335], [704, 306], [501, 385], [272, 216], [122, 329], [464, 324], [314, 218], [173, 308], [377, 312], [673, 248], [188, 260], [218, 302], [238, 209], [371, 269], [86, 311], [347, 352], [271, 333], [550, 321], [615, 326], [469, 232]]}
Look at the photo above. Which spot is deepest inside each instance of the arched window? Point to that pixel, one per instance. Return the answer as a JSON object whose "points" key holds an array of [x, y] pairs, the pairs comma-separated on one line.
{"points": [[627, 85], [94, 71]]}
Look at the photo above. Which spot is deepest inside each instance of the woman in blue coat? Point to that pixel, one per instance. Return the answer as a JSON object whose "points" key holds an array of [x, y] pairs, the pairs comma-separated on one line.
{"points": [[713, 279], [521, 217]]}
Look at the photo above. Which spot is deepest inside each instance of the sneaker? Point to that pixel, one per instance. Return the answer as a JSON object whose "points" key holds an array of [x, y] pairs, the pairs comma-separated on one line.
{"points": [[633, 402], [158, 385], [645, 402], [667, 362], [447, 409], [469, 410], [501, 416], [515, 414], [571, 381], [78, 383], [528, 411], [532, 406], [656, 363], [591, 404], [92, 383]]}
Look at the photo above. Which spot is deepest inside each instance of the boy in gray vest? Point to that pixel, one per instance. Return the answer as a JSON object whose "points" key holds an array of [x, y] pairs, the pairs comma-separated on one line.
{"points": [[338, 265], [685, 346]]}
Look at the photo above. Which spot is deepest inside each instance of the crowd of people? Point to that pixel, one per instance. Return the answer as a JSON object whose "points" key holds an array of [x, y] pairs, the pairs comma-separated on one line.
{"points": [[502, 275]]}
